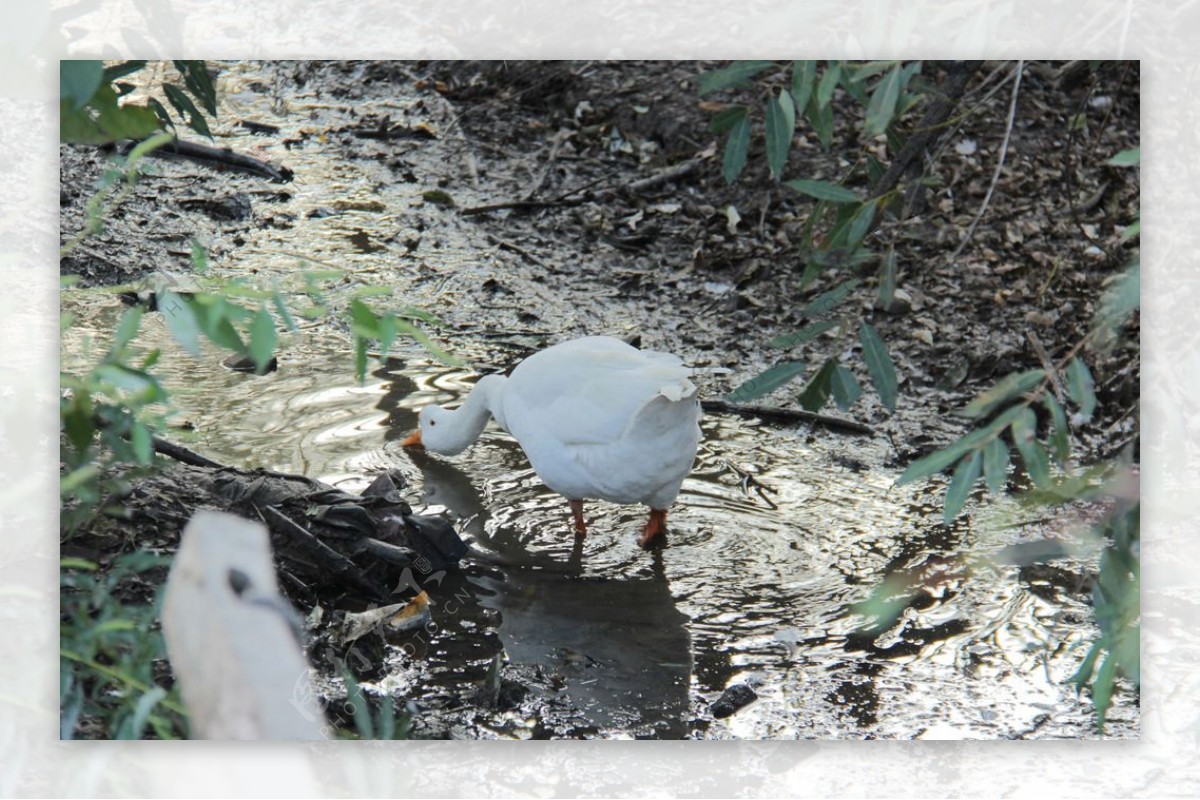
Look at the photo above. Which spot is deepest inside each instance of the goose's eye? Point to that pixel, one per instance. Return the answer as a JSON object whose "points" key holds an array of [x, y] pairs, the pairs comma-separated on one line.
{"points": [[432, 422]]}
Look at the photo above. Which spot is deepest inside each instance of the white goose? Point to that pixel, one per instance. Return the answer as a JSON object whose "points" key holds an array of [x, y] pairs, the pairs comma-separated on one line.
{"points": [[598, 419]]}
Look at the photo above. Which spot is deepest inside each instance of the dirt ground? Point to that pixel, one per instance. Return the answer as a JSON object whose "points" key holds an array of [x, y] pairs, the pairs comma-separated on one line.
{"points": [[539, 164]]}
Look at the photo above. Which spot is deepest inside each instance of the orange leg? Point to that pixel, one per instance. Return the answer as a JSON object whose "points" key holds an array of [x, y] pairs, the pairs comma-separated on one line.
{"points": [[577, 512], [654, 527]]}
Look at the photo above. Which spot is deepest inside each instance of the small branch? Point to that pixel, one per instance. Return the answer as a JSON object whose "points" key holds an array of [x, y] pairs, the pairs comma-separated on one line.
{"points": [[667, 175], [182, 148], [518, 204], [1047, 365], [787, 415], [183, 455], [504, 244], [987, 198]]}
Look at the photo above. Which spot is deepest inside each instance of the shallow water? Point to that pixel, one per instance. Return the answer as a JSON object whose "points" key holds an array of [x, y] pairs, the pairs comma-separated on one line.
{"points": [[777, 531]]}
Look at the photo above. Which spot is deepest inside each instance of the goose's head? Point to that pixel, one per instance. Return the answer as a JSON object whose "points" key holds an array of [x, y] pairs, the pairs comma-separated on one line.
{"points": [[447, 431], [440, 431]]}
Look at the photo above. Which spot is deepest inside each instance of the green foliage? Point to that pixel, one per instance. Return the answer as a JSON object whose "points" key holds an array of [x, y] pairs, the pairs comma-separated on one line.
{"points": [[383, 724], [736, 148], [1008, 408], [832, 380], [824, 191], [780, 124], [841, 219], [1116, 597], [91, 111], [110, 649], [766, 382], [879, 365], [807, 96]]}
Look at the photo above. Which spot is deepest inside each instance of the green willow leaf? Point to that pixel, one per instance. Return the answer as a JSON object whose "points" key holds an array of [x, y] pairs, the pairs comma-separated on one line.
{"points": [[1009, 386], [823, 190], [870, 69], [262, 339], [816, 393], [727, 118], [804, 78], [360, 358], [1126, 158], [964, 478], [821, 119], [940, 459], [143, 447], [765, 382], [118, 71], [196, 78], [737, 145], [1059, 432], [846, 390], [829, 82], [860, 223], [995, 464], [363, 321], [827, 302], [187, 109], [780, 125], [883, 102], [127, 328], [879, 365], [181, 321], [1082, 388], [78, 81], [736, 74], [805, 334], [1024, 433], [887, 281]]}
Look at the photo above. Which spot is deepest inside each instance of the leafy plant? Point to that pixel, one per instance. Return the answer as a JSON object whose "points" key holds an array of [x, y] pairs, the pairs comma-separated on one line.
{"points": [[844, 218], [382, 724], [110, 651], [832, 379], [807, 97], [91, 111], [1007, 420]]}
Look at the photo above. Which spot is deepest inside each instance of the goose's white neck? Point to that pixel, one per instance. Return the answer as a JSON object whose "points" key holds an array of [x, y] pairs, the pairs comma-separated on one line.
{"points": [[452, 431]]}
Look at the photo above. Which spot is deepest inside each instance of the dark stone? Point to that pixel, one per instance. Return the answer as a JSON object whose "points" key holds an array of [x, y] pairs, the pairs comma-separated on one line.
{"points": [[733, 699]]}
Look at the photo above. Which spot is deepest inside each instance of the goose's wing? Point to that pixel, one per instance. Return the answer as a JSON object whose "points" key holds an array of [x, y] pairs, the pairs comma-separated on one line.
{"points": [[590, 391]]}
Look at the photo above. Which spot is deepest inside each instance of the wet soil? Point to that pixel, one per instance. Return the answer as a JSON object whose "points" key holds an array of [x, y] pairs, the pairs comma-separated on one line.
{"points": [[504, 198]]}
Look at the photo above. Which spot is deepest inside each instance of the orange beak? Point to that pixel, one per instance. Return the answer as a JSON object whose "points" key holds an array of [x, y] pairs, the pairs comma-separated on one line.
{"points": [[414, 440]]}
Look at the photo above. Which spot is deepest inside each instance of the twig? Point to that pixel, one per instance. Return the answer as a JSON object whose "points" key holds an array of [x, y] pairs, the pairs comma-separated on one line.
{"points": [[223, 155], [987, 198], [787, 415], [526, 204], [182, 454], [665, 176], [504, 244], [1047, 365]]}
